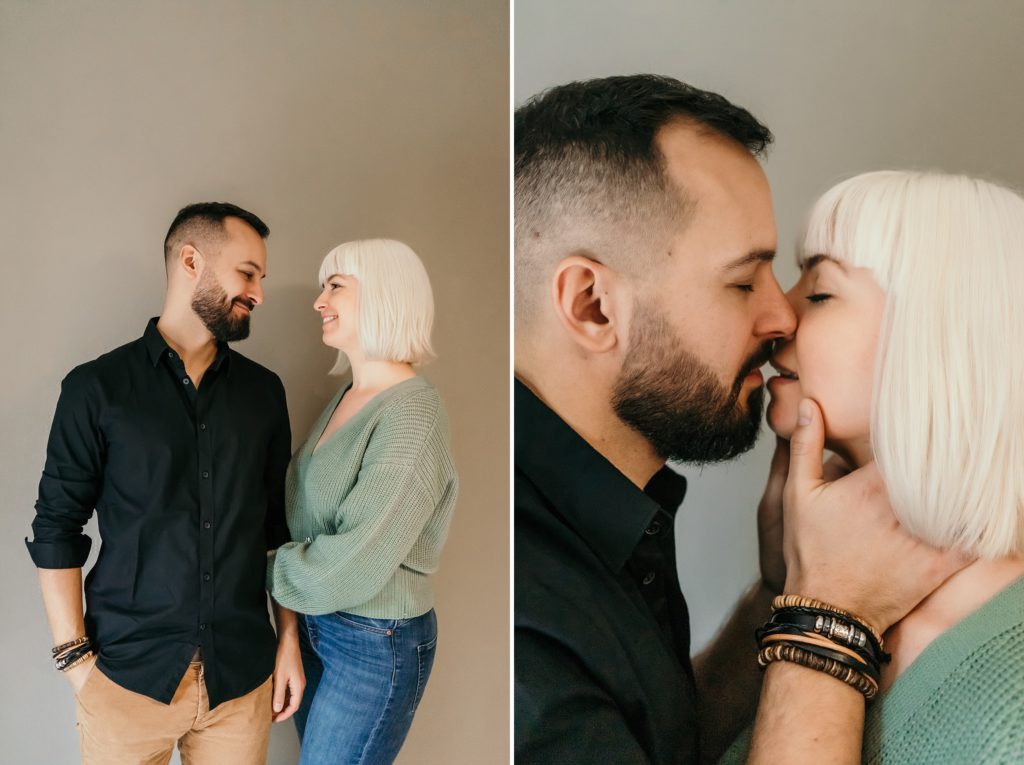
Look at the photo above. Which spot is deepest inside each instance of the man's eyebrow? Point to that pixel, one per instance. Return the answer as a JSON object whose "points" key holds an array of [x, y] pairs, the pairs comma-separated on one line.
{"points": [[757, 256]]}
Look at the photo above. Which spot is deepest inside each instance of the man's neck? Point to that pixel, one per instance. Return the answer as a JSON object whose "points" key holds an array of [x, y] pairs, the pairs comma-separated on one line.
{"points": [[189, 338], [590, 414]]}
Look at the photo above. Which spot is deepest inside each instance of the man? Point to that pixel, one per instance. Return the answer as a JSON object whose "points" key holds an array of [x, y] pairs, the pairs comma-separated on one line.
{"points": [[645, 304], [181, 445]]}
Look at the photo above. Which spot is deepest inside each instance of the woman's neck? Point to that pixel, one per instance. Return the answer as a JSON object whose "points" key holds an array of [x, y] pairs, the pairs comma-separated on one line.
{"points": [[955, 599], [372, 376]]}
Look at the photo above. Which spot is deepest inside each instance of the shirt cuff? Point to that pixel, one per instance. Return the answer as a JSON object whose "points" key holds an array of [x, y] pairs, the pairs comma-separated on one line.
{"points": [[65, 553]]}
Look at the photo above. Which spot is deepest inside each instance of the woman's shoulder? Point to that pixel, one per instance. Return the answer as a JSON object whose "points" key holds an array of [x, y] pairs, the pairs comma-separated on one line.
{"points": [[412, 400], [409, 420]]}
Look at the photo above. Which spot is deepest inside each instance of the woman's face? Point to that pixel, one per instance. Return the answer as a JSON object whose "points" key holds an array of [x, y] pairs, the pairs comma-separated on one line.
{"points": [[337, 306], [831, 356]]}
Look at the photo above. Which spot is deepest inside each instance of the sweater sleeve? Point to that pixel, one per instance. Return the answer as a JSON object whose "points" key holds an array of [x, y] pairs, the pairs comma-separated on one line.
{"points": [[336, 572]]}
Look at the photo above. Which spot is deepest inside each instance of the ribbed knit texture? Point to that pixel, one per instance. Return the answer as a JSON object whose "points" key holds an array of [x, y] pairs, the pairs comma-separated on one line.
{"points": [[961, 702], [375, 499]]}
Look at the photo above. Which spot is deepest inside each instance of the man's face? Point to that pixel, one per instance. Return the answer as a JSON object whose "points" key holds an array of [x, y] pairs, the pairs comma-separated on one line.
{"points": [[229, 287], [705, 315]]}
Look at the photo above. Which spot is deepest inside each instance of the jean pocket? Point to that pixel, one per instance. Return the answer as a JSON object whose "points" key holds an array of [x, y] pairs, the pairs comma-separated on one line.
{"points": [[365, 623], [425, 661]]}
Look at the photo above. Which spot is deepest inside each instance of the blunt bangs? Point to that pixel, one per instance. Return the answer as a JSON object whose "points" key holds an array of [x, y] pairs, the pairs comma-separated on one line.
{"points": [[396, 303], [948, 399]]}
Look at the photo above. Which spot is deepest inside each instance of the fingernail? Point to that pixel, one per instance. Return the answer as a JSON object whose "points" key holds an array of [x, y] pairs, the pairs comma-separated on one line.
{"points": [[804, 417]]}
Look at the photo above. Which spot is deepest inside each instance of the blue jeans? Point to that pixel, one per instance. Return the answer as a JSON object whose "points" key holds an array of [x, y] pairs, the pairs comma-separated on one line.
{"points": [[364, 679]]}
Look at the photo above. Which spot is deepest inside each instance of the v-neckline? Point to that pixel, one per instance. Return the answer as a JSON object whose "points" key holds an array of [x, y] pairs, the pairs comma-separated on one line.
{"points": [[322, 442]]}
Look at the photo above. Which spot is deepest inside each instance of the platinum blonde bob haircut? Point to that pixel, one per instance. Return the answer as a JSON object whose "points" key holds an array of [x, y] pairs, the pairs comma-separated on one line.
{"points": [[947, 414], [396, 304]]}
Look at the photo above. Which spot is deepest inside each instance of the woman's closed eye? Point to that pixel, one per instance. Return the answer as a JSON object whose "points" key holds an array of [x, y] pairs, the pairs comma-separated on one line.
{"points": [[818, 297]]}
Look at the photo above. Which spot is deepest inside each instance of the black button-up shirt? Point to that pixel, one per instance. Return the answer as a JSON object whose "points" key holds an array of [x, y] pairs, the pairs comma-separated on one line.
{"points": [[602, 638], [188, 486]]}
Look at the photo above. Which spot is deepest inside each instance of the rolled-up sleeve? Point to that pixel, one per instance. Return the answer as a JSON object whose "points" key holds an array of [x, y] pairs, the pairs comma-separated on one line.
{"points": [[71, 479]]}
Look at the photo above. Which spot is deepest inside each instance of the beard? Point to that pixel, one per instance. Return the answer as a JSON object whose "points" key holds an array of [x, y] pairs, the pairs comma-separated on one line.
{"points": [[677, 402], [211, 304]]}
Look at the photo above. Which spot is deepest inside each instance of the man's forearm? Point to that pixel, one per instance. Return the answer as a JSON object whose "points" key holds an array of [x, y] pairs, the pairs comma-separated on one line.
{"points": [[806, 716], [62, 597], [728, 677]]}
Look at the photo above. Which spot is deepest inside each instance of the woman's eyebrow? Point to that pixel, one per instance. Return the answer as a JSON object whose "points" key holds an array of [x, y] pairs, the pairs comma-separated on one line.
{"points": [[808, 263]]}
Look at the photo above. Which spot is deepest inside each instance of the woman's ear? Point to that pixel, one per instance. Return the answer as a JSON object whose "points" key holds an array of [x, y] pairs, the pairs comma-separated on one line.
{"points": [[586, 297]]}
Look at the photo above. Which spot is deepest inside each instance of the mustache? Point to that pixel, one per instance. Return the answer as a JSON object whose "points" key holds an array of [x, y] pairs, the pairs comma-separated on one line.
{"points": [[757, 359]]}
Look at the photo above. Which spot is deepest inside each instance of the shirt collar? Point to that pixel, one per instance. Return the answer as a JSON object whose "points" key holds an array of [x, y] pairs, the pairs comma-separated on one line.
{"points": [[157, 347], [604, 507]]}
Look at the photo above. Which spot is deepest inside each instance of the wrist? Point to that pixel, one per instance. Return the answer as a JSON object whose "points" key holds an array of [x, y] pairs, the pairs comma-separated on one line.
{"points": [[866, 607]]}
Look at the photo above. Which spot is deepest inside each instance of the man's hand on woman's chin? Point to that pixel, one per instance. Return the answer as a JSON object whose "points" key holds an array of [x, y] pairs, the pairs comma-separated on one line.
{"points": [[842, 543]]}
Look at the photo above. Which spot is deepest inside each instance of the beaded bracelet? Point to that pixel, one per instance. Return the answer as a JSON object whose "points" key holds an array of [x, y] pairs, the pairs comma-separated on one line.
{"points": [[80, 660], [70, 644], [806, 657]]}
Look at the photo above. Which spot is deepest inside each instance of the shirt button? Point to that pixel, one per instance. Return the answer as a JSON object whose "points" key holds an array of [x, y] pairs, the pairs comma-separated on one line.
{"points": [[648, 577], [206, 524], [206, 577], [202, 426], [653, 529], [206, 474], [170, 354], [202, 626], [184, 381]]}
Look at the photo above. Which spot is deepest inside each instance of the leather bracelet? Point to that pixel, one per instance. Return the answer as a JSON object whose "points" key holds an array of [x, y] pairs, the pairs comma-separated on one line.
{"points": [[847, 628], [830, 652], [80, 660], [65, 661], [855, 658], [799, 601], [809, 620]]}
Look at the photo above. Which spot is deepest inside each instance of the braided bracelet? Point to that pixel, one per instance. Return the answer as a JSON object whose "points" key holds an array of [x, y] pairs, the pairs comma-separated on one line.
{"points": [[70, 644]]}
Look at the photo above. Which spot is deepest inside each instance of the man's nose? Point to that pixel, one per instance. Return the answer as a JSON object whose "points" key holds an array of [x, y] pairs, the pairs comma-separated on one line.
{"points": [[255, 293], [778, 317]]}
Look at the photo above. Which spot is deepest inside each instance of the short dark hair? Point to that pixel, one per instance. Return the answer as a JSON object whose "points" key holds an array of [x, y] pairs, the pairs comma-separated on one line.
{"points": [[205, 220], [588, 149]]}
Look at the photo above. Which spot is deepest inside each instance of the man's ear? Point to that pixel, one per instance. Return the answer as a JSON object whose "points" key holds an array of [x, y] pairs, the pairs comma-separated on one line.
{"points": [[190, 261], [586, 297]]}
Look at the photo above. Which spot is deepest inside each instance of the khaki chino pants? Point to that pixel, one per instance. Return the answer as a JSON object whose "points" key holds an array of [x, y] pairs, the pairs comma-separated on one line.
{"points": [[120, 727]]}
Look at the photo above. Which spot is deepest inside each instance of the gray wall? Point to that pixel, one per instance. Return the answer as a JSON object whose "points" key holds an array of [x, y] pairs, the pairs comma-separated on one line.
{"points": [[846, 87], [334, 121]]}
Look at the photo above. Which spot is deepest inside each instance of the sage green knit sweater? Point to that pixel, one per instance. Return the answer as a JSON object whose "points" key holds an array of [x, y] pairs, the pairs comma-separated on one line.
{"points": [[961, 702], [369, 510]]}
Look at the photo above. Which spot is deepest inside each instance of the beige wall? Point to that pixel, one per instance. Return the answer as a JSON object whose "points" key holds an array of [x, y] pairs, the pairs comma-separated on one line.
{"points": [[846, 87], [333, 121]]}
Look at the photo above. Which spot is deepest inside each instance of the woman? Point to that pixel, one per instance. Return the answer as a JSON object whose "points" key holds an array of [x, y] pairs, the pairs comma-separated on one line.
{"points": [[369, 499], [911, 319]]}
